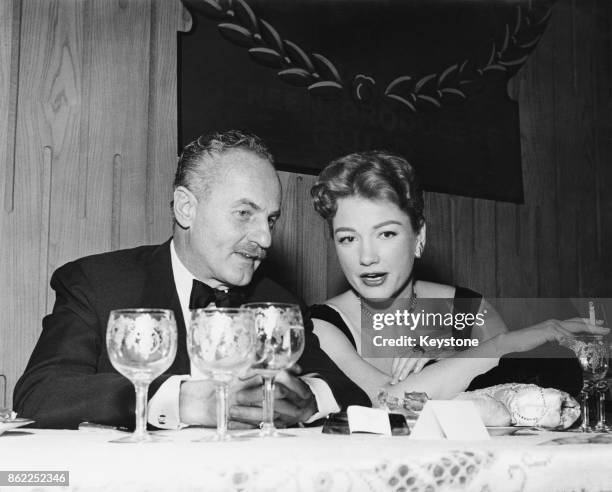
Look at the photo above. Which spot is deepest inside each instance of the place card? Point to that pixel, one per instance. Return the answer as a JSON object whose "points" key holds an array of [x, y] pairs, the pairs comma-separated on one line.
{"points": [[449, 419], [364, 419]]}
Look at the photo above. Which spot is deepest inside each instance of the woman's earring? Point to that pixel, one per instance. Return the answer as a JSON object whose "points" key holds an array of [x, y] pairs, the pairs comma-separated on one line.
{"points": [[419, 250]]}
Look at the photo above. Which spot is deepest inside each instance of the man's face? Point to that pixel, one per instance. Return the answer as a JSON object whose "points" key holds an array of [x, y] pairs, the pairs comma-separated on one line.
{"points": [[233, 221]]}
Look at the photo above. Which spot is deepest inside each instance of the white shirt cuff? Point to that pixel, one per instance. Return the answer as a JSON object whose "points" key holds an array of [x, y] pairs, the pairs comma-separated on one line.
{"points": [[326, 402], [164, 404]]}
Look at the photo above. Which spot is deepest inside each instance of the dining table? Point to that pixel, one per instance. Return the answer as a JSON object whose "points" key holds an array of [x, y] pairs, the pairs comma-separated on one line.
{"points": [[529, 460]]}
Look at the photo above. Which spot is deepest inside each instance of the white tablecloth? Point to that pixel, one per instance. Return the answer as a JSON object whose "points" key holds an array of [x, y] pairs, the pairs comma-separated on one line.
{"points": [[310, 461]]}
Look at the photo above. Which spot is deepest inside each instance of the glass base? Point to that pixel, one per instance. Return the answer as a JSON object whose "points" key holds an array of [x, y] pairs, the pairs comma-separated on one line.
{"points": [[602, 429], [223, 438], [145, 438], [590, 430], [267, 433], [580, 430]]}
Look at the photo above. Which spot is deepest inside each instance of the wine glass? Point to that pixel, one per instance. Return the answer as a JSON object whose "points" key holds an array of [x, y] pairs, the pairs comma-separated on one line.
{"points": [[221, 343], [279, 344], [141, 345], [592, 353], [597, 312]]}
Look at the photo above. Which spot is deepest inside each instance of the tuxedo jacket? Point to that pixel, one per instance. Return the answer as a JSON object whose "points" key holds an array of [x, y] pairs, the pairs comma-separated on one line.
{"points": [[69, 378]]}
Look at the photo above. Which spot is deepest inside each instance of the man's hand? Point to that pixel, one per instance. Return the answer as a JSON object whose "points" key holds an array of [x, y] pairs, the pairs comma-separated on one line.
{"points": [[293, 401], [198, 404]]}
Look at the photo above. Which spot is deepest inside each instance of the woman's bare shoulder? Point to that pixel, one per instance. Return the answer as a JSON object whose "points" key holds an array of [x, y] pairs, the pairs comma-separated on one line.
{"points": [[342, 301], [433, 290]]}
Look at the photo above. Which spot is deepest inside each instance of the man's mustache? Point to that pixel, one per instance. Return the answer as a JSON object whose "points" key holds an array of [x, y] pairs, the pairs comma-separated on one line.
{"points": [[256, 252]]}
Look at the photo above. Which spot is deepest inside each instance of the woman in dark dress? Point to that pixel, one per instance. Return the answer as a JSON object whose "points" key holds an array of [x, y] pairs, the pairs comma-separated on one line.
{"points": [[374, 207]]}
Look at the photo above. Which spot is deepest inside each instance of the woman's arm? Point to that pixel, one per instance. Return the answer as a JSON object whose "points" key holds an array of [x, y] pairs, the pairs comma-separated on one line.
{"points": [[447, 377], [433, 380], [494, 325], [414, 362], [335, 344]]}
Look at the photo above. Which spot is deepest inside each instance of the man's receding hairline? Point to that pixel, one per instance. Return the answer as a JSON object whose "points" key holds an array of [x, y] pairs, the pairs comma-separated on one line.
{"points": [[210, 169]]}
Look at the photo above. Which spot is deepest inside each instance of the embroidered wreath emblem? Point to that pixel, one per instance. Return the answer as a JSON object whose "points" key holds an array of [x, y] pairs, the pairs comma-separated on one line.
{"points": [[318, 75]]}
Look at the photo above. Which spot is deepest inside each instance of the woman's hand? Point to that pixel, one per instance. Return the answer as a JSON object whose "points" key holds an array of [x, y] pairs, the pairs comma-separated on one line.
{"points": [[551, 330], [402, 366]]}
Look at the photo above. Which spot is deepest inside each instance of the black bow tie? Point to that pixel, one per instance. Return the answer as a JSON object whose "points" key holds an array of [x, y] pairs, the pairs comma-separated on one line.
{"points": [[202, 295]]}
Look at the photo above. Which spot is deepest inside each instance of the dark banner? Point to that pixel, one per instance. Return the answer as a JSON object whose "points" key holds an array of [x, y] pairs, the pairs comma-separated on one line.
{"points": [[318, 79]]}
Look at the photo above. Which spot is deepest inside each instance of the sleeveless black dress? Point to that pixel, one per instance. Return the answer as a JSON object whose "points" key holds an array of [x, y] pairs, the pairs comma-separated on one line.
{"points": [[465, 301]]}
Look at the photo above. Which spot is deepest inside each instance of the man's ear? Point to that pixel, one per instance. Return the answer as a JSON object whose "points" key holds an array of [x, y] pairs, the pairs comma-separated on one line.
{"points": [[184, 207]]}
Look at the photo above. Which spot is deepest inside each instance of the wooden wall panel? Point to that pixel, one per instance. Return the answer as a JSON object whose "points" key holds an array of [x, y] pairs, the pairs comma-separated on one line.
{"points": [[603, 118], [166, 19], [569, 159], [10, 343], [589, 33], [515, 242], [516, 259], [88, 105], [10, 23], [132, 22], [313, 278], [98, 169], [484, 278], [437, 261], [300, 234], [535, 91], [118, 118], [58, 68], [42, 114], [464, 261], [584, 73], [283, 258]]}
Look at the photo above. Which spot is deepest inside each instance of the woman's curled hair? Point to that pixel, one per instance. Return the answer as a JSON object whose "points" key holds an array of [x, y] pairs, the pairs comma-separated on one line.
{"points": [[375, 175]]}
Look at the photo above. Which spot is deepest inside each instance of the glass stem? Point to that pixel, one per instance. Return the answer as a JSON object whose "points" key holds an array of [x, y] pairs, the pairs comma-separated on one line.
{"points": [[584, 397], [222, 393], [268, 406], [141, 408], [601, 406]]}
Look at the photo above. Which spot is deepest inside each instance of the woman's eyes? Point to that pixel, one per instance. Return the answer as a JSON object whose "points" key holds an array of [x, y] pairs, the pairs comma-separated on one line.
{"points": [[382, 235]]}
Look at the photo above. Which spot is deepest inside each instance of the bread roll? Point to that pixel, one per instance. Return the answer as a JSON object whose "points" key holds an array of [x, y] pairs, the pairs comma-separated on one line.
{"points": [[528, 404], [492, 412]]}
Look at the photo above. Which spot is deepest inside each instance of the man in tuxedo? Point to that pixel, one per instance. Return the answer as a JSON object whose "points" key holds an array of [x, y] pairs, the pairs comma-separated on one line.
{"points": [[227, 199]]}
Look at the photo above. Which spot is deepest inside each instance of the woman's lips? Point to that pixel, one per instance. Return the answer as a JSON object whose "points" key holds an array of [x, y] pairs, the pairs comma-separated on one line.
{"points": [[373, 279]]}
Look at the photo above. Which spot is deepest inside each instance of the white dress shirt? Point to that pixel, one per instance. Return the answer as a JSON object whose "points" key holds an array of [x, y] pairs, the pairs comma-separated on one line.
{"points": [[164, 405]]}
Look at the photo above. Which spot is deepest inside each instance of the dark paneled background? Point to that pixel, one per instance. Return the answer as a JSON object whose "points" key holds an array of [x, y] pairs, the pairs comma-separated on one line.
{"points": [[88, 141]]}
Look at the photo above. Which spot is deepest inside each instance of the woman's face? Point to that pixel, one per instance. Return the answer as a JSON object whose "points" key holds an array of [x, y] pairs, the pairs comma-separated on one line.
{"points": [[376, 245]]}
